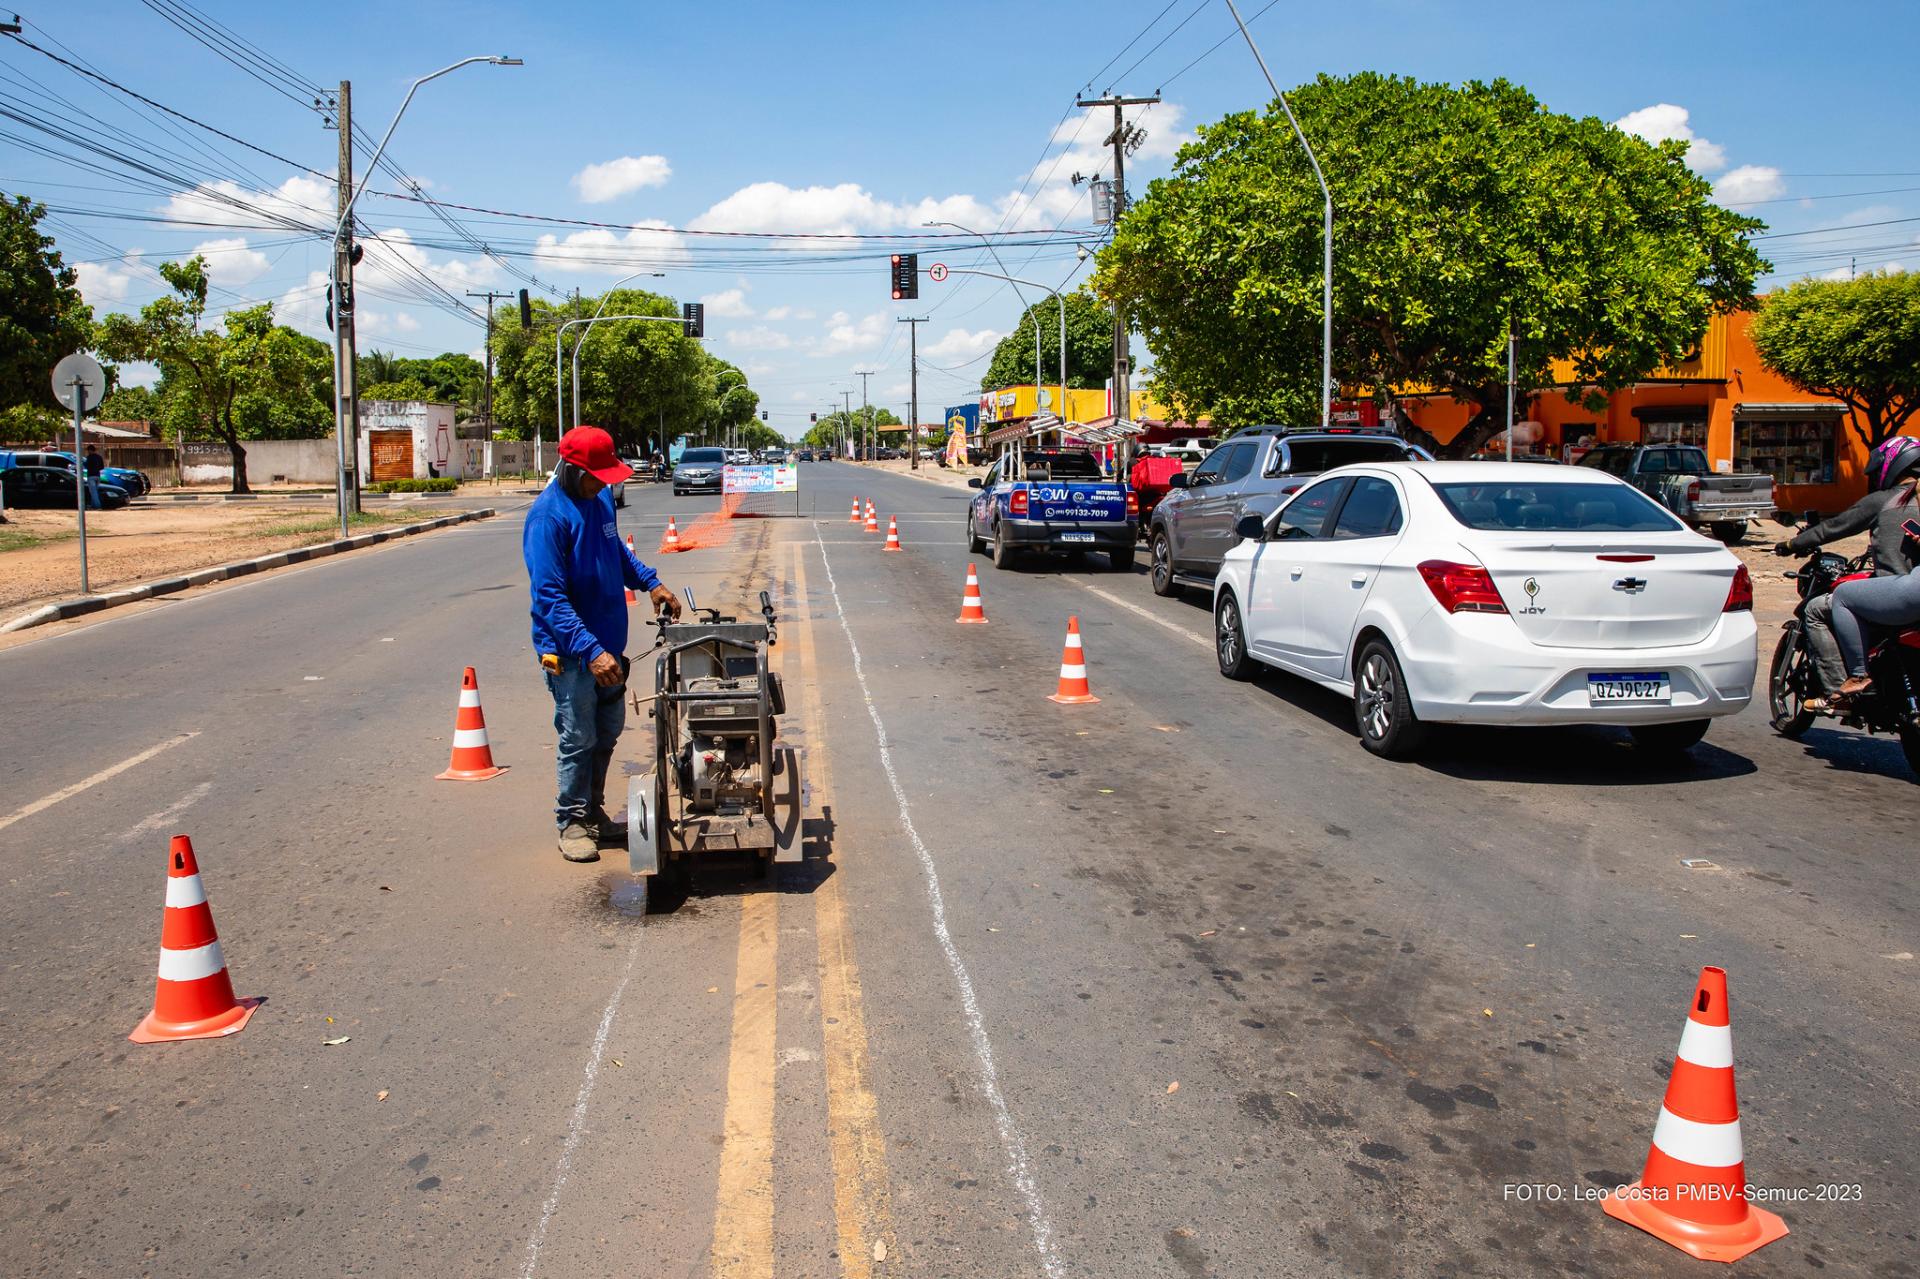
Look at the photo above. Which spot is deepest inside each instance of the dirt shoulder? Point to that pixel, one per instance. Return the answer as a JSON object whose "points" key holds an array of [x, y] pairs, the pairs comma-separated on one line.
{"points": [[40, 550]]}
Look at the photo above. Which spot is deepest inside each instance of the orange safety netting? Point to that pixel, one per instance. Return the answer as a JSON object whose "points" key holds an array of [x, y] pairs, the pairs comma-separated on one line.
{"points": [[710, 529]]}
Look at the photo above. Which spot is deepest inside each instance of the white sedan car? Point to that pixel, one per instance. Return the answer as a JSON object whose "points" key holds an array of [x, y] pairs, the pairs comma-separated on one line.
{"points": [[1490, 593]]}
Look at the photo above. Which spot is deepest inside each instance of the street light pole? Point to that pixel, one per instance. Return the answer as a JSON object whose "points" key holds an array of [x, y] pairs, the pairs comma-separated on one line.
{"points": [[1031, 310], [559, 411], [588, 331], [1057, 297], [343, 306], [1326, 264]]}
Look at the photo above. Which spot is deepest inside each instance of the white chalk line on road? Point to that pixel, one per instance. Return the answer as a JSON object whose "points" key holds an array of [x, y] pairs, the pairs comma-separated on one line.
{"points": [[166, 816], [1011, 1141], [576, 1126], [1135, 609], [87, 783]]}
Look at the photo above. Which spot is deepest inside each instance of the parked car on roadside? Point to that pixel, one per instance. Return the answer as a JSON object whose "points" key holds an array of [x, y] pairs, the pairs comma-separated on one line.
{"points": [[699, 471], [1678, 477], [1489, 593], [1252, 473], [1190, 449], [133, 483], [51, 486]]}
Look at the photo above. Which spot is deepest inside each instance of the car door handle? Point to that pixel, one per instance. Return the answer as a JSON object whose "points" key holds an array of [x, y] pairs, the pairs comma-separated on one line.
{"points": [[1359, 579], [1295, 572]]}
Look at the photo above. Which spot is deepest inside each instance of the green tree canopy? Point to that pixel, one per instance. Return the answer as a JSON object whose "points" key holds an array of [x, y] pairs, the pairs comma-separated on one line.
{"points": [[42, 315], [843, 425], [1458, 212], [1855, 340], [1089, 345], [450, 378], [248, 379]]}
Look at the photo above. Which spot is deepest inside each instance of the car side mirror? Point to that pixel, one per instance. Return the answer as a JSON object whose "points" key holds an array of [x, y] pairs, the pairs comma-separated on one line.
{"points": [[976, 482], [1251, 528], [1179, 481]]}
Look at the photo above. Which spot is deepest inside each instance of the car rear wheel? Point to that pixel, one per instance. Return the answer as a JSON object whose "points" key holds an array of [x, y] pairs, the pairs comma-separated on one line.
{"points": [[1230, 639], [1668, 739], [1002, 549], [1732, 532], [1160, 565], [1382, 710]]}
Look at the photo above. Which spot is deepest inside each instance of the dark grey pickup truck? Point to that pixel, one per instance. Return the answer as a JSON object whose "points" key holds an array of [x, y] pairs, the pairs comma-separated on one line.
{"points": [[1678, 477]]}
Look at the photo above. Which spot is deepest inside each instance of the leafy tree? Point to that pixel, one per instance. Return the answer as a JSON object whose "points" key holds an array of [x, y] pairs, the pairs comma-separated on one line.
{"points": [[838, 426], [1855, 340], [246, 379], [1089, 346], [449, 378], [409, 389], [130, 404], [42, 315], [1458, 212]]}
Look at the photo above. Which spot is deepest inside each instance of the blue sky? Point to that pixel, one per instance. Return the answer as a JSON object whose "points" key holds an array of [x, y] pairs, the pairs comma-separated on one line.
{"points": [[857, 119]]}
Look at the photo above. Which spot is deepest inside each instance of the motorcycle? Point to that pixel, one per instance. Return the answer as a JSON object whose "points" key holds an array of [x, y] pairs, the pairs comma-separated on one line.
{"points": [[1893, 661]]}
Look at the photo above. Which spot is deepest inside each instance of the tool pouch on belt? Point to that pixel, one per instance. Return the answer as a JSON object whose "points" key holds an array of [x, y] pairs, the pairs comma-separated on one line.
{"points": [[551, 663]]}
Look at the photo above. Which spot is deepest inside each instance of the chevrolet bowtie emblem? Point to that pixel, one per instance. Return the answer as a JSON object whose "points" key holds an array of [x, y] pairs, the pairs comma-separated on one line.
{"points": [[1631, 585]]}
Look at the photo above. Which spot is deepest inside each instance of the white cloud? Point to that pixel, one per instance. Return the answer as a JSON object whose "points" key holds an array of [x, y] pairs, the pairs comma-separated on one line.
{"points": [[1749, 184], [845, 209], [103, 282], [304, 199], [846, 335], [1664, 121], [598, 183], [728, 304], [757, 337], [230, 263], [604, 252], [959, 344]]}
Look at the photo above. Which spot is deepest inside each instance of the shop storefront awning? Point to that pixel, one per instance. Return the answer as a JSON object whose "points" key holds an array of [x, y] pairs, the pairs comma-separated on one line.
{"points": [[1812, 409]]}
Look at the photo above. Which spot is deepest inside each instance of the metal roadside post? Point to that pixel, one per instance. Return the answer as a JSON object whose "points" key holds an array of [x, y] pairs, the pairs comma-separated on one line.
{"points": [[77, 382]]}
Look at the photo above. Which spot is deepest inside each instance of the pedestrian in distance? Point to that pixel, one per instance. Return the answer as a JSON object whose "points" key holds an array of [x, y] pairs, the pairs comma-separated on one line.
{"points": [[578, 572], [94, 464]]}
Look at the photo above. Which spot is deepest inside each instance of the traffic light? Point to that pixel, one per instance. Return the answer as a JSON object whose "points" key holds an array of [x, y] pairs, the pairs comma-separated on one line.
{"points": [[694, 316], [763, 415], [813, 418], [526, 311], [906, 276]]}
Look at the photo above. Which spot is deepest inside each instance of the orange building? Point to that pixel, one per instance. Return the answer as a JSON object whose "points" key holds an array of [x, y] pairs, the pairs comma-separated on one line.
{"points": [[1724, 399]]}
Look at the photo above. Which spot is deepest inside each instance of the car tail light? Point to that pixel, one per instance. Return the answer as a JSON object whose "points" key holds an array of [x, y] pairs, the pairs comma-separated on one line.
{"points": [[1693, 491], [1017, 502], [1462, 588], [1133, 505], [1740, 594]]}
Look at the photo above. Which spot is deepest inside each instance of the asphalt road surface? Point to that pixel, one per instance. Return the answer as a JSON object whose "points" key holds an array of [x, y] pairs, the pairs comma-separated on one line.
{"points": [[1183, 983]]}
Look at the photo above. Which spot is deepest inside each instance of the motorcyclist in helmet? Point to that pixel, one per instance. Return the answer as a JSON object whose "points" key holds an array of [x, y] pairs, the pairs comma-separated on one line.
{"points": [[1891, 469]]}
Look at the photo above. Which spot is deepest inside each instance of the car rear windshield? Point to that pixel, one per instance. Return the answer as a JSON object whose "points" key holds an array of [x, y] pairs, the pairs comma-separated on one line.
{"points": [[1061, 466], [704, 455], [1555, 508], [1313, 456]]}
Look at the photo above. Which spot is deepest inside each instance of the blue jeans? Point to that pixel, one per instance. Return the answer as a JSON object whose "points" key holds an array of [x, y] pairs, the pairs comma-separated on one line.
{"points": [[589, 719], [93, 492], [1881, 601]]}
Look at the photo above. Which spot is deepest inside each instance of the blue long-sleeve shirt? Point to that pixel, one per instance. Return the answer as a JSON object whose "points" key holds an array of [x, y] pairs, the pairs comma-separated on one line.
{"points": [[578, 573]]}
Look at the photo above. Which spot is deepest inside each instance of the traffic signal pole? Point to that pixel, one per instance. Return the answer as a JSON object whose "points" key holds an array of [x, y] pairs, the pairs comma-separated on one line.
{"points": [[1122, 344]]}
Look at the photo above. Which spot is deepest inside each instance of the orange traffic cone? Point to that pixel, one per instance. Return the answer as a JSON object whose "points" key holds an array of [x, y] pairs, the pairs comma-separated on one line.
{"points": [[1693, 1191], [893, 535], [1073, 670], [193, 998], [472, 757], [855, 517], [970, 606], [873, 522], [671, 542], [631, 597]]}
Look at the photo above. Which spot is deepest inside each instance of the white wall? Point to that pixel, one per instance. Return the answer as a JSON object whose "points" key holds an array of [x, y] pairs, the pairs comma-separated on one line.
{"points": [[433, 439]]}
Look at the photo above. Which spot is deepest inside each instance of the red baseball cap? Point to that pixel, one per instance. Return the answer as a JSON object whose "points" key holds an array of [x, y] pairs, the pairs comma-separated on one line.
{"points": [[591, 449]]}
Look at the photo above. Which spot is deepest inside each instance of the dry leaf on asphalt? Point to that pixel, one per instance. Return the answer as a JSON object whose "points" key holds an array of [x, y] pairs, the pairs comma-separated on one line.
{"points": [[879, 1250], [618, 1062], [1210, 932], [382, 1095], [1487, 1011], [334, 1043], [1173, 1087]]}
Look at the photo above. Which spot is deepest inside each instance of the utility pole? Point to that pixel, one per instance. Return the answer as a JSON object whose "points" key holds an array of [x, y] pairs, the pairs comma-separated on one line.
{"points": [[349, 389], [1119, 140], [871, 434], [487, 394], [913, 324]]}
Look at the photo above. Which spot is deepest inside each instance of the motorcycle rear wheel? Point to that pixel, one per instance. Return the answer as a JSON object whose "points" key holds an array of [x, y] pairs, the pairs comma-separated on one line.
{"points": [[1787, 684]]}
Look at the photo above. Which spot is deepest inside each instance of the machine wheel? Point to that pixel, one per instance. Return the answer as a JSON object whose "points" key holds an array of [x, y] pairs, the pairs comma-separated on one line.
{"points": [[974, 543], [1002, 549], [1787, 685], [1668, 739], [1160, 565], [1381, 708], [1732, 532], [1230, 640], [1120, 560]]}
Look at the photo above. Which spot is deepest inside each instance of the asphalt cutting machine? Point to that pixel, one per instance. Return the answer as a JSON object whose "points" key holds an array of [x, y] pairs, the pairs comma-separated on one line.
{"points": [[721, 783]]}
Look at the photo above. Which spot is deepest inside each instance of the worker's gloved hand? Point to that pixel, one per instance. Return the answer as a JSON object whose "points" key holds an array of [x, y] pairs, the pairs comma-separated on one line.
{"points": [[665, 601], [1782, 548], [605, 670]]}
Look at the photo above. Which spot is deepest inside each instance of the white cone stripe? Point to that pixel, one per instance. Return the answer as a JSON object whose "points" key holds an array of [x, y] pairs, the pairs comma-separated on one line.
{"points": [[1705, 1145], [1073, 641], [469, 738], [185, 891], [1710, 1046], [1072, 672], [191, 965], [469, 697]]}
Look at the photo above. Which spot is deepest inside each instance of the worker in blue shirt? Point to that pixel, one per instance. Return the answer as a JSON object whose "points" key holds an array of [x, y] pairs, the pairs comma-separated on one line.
{"points": [[579, 571]]}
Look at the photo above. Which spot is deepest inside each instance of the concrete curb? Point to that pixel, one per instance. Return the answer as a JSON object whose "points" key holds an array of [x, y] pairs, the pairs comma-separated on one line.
{"points": [[80, 606]]}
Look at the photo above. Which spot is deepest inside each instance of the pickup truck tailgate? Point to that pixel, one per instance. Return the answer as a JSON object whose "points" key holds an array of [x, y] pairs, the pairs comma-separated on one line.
{"points": [[1076, 503]]}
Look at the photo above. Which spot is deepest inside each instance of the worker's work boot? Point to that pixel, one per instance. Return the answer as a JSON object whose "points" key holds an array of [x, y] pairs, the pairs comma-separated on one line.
{"points": [[577, 843], [602, 824]]}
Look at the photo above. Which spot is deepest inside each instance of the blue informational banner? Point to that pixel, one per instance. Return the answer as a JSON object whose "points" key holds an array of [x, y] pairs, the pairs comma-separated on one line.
{"points": [[964, 417], [760, 479]]}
